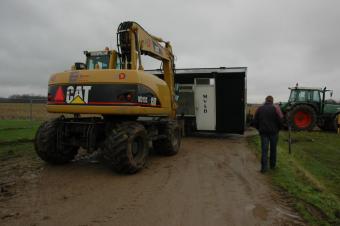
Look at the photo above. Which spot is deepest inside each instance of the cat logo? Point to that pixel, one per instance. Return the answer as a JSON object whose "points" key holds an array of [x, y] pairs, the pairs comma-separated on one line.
{"points": [[77, 94]]}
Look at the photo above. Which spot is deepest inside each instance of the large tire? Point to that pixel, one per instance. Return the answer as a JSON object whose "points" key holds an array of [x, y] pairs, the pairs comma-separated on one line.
{"points": [[302, 118], [322, 126], [126, 147], [46, 147], [335, 123], [329, 124], [332, 124], [172, 141]]}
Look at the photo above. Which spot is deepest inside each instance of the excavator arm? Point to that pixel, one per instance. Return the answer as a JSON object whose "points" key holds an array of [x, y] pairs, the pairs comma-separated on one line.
{"points": [[133, 41]]}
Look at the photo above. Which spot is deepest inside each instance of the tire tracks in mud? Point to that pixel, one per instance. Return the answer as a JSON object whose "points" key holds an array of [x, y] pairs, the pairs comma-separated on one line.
{"points": [[212, 181]]}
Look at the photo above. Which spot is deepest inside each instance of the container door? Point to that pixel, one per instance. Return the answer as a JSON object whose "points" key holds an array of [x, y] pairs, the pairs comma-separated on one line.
{"points": [[230, 103], [205, 104]]}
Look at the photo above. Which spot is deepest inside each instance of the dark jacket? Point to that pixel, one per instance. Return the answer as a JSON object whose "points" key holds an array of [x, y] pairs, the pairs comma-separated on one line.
{"points": [[268, 119]]}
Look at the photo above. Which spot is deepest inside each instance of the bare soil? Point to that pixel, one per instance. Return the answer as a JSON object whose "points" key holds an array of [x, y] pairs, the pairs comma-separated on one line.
{"points": [[212, 181]]}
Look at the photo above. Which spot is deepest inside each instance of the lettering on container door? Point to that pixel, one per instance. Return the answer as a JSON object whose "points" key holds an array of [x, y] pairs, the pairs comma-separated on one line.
{"points": [[205, 101]]}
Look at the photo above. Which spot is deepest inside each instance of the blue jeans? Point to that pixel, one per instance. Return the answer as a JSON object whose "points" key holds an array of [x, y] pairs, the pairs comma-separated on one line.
{"points": [[268, 140]]}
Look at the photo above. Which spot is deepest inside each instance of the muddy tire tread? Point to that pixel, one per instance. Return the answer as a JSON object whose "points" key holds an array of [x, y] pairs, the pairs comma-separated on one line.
{"points": [[164, 146], [116, 148], [45, 144]]}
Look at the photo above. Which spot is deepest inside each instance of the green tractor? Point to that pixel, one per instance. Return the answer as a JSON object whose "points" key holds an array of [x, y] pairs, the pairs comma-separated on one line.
{"points": [[307, 108]]}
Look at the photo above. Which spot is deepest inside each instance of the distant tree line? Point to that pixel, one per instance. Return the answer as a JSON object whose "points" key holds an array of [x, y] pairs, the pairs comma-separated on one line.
{"points": [[24, 98]]}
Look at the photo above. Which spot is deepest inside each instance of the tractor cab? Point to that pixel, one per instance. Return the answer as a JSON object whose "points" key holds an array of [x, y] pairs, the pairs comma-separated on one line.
{"points": [[306, 107], [306, 95]]}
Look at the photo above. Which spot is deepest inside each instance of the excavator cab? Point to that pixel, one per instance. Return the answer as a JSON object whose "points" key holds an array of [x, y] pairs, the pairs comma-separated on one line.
{"points": [[100, 58], [106, 59]]}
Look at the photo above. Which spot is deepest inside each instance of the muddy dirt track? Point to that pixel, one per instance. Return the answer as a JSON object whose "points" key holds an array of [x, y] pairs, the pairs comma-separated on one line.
{"points": [[212, 181]]}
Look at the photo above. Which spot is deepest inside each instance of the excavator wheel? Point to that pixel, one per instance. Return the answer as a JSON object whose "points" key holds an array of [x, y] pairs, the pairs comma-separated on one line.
{"points": [[302, 118], [172, 141], [45, 144], [126, 147]]}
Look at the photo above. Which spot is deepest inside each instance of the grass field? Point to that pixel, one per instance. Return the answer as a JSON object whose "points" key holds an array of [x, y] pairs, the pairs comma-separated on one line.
{"points": [[9, 111], [16, 137], [18, 159], [23, 111], [38, 111], [19, 163], [13, 131], [310, 175]]}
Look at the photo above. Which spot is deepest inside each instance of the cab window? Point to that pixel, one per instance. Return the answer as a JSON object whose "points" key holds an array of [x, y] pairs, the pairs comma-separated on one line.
{"points": [[302, 95], [316, 96], [102, 61], [292, 97]]}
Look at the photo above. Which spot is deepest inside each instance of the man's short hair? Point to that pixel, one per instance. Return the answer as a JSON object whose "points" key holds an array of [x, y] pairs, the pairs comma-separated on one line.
{"points": [[269, 99]]}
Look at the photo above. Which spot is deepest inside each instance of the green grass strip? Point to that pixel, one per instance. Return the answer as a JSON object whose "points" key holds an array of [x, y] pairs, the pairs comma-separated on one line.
{"points": [[12, 131], [310, 175]]}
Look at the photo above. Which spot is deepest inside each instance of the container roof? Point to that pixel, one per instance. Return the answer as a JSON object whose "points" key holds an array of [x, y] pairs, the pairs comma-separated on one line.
{"points": [[204, 70]]}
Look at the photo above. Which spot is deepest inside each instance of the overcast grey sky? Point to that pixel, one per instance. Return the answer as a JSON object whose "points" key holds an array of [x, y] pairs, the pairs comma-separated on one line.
{"points": [[280, 41]]}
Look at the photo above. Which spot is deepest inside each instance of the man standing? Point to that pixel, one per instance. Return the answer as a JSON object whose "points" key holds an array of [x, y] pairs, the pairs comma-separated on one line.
{"points": [[268, 121]]}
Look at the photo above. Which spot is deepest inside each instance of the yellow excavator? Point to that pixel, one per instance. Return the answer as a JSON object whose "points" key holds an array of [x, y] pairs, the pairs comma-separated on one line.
{"points": [[135, 110]]}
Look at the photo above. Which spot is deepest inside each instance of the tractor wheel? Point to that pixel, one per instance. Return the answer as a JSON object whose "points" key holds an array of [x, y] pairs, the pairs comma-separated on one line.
{"points": [[329, 124], [172, 141], [126, 147], [46, 146], [322, 126], [302, 117], [334, 124]]}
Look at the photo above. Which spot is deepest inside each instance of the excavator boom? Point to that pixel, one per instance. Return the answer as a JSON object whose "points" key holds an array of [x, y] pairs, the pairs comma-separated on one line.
{"points": [[134, 41]]}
